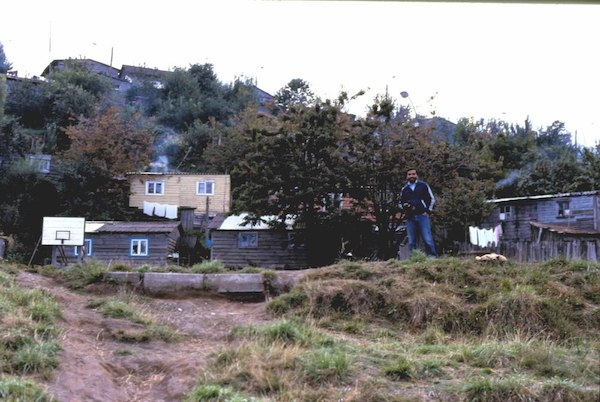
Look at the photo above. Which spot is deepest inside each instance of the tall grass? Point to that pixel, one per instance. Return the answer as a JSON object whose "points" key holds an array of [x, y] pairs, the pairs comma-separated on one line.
{"points": [[28, 333], [446, 329]]}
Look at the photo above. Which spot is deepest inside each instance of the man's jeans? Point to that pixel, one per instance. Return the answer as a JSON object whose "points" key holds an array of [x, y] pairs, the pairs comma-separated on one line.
{"points": [[419, 224]]}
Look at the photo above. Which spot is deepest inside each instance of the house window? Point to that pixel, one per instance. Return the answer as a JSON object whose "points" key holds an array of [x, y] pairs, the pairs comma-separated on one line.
{"points": [[155, 188], [87, 248], [138, 248], [248, 240], [504, 212], [205, 188], [563, 209], [40, 162], [296, 240]]}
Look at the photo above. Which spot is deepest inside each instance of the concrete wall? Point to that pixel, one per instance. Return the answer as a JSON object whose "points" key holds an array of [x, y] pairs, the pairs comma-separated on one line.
{"points": [[171, 283]]}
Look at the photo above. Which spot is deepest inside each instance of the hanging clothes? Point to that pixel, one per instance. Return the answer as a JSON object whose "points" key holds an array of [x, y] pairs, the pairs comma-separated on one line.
{"points": [[171, 211], [149, 208], [160, 210]]}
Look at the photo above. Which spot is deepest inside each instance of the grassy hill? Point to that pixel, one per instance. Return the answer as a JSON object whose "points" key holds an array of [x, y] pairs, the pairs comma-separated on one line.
{"points": [[445, 329]]}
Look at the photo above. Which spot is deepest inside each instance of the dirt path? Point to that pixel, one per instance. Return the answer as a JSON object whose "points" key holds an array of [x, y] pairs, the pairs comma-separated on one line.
{"points": [[96, 367]]}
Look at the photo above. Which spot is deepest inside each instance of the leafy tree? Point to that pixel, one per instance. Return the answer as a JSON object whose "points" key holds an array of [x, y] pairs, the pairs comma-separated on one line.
{"points": [[103, 149], [377, 151], [591, 166], [294, 168], [28, 103], [296, 92], [13, 141], [4, 64], [71, 95], [26, 196], [194, 94]]}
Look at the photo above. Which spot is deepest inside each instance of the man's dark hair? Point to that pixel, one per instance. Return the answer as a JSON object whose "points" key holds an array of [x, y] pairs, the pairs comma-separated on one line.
{"points": [[412, 168]]}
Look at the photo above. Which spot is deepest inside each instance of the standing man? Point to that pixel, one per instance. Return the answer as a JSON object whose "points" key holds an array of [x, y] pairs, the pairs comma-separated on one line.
{"points": [[416, 201]]}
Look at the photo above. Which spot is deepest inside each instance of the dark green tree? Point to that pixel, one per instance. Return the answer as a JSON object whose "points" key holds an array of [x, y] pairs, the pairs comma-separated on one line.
{"points": [[296, 92], [4, 64], [295, 165], [71, 95]]}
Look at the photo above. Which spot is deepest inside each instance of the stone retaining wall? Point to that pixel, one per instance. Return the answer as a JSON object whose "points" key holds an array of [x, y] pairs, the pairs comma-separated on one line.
{"points": [[163, 283]]}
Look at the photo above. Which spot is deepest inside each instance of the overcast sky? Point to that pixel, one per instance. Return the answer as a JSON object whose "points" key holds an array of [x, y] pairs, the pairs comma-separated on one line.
{"points": [[503, 61]]}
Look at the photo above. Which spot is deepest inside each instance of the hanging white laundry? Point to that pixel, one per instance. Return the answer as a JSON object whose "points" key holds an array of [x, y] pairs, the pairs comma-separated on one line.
{"points": [[489, 237], [473, 235], [160, 210], [498, 234], [171, 211], [149, 208]]}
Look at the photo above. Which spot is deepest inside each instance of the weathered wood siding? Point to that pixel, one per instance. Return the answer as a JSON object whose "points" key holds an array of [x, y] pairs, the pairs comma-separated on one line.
{"points": [[534, 251], [272, 250], [180, 190], [115, 248], [584, 215]]}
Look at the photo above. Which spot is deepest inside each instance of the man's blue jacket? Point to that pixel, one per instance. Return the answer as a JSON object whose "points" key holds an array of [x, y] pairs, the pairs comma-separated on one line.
{"points": [[421, 199]]}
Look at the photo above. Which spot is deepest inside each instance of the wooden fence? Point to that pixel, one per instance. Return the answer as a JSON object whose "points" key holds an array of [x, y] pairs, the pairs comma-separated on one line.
{"points": [[533, 251]]}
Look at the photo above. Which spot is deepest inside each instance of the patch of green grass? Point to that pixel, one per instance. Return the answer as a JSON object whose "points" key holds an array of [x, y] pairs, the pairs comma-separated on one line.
{"points": [[79, 276], [122, 308], [36, 358], [22, 390], [208, 267], [325, 365], [498, 389], [123, 352], [399, 369], [286, 332], [215, 393]]}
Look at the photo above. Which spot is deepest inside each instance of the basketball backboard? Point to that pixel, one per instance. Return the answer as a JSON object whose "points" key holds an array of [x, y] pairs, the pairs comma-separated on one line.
{"points": [[62, 231]]}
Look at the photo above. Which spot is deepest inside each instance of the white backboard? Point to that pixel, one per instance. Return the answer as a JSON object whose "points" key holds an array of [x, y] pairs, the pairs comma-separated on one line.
{"points": [[60, 231]]}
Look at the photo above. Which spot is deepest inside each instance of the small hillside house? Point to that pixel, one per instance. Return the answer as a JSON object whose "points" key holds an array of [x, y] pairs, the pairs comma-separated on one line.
{"points": [[131, 243], [549, 225], [238, 245], [208, 194]]}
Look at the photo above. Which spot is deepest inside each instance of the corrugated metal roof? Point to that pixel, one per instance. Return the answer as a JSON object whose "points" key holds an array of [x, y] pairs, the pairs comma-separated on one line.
{"points": [[544, 196], [235, 222], [130, 227], [563, 229]]}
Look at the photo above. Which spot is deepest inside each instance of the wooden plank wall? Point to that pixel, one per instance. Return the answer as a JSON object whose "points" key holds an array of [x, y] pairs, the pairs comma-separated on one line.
{"points": [[272, 251], [180, 190], [114, 248], [533, 251]]}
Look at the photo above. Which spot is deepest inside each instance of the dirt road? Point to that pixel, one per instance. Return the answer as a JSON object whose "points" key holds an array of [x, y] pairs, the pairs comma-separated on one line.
{"points": [[94, 366]]}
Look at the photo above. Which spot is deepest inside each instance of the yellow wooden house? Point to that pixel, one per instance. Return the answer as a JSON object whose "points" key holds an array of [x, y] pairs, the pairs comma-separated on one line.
{"points": [[206, 193]]}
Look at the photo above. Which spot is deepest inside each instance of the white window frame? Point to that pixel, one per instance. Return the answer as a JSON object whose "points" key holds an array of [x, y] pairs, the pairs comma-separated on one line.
{"points": [[248, 240], [153, 184], [505, 212], [205, 183], [141, 244], [87, 248]]}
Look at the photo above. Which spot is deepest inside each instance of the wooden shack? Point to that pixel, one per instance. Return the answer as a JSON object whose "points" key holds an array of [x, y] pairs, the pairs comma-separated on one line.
{"points": [[540, 227], [237, 245], [579, 211], [131, 243]]}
